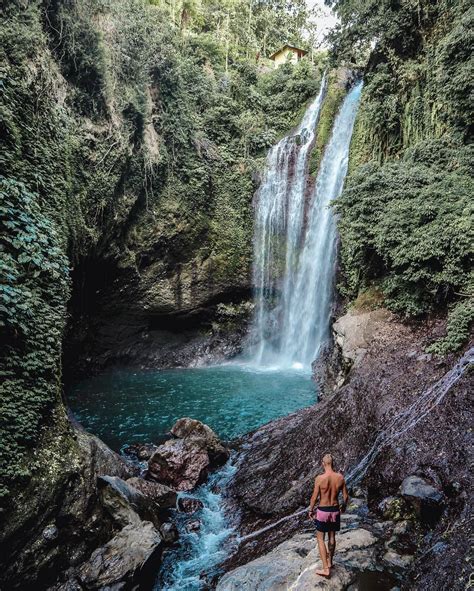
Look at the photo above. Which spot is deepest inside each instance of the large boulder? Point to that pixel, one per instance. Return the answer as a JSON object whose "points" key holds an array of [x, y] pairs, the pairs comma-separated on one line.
{"points": [[179, 463], [125, 503], [130, 556], [202, 436], [354, 333], [169, 533], [427, 500], [164, 496], [184, 462]]}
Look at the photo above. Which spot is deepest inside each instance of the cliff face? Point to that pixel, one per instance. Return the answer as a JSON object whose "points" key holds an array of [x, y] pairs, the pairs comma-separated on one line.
{"points": [[405, 213], [389, 378]]}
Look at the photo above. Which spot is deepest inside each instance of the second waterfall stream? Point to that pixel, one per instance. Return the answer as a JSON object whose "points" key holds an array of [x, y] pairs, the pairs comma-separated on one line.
{"points": [[295, 241]]}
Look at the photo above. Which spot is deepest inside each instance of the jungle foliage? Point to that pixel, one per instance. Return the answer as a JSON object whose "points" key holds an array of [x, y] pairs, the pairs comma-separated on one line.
{"points": [[406, 214], [125, 126]]}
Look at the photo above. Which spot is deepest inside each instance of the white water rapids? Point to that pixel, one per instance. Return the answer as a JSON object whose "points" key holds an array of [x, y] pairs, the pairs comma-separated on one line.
{"points": [[295, 241]]}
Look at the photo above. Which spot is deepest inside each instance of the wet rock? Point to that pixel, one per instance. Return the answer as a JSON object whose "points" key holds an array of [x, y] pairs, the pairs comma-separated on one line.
{"points": [[439, 548], [358, 492], [71, 584], [193, 525], [164, 496], [414, 487], [184, 462], [291, 565], [397, 561], [329, 370], [179, 463], [126, 504], [427, 500], [50, 533], [403, 528], [189, 505], [141, 451], [394, 508], [203, 437], [130, 556], [169, 533]]}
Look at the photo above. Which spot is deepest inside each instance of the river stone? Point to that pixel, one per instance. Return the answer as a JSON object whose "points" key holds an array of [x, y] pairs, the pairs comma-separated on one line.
{"points": [[169, 532], [414, 487], [189, 505], [179, 463], [202, 436], [398, 561], [132, 554], [50, 532], [125, 503], [193, 525], [164, 496], [291, 565], [425, 498]]}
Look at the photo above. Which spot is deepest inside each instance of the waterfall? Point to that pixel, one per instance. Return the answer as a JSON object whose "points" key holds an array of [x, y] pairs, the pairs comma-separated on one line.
{"points": [[295, 241]]}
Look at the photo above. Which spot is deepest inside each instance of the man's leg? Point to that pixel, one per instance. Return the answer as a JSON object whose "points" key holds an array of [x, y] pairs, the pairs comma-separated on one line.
{"points": [[331, 547], [323, 553]]}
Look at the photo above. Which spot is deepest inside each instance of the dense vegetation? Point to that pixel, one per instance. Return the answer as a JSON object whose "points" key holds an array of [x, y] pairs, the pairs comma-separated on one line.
{"points": [[406, 213], [133, 127], [123, 133]]}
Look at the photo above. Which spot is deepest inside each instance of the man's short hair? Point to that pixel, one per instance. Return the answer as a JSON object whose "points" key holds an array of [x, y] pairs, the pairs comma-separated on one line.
{"points": [[328, 459]]}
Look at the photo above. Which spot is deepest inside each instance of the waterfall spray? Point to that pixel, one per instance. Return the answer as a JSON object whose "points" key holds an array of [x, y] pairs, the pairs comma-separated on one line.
{"points": [[295, 241]]}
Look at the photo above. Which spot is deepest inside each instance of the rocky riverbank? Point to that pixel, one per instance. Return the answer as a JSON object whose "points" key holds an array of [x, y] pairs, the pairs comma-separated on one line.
{"points": [[110, 522], [379, 376]]}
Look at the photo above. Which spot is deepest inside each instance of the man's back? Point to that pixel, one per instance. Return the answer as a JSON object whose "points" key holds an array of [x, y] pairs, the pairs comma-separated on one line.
{"points": [[326, 491], [330, 485]]}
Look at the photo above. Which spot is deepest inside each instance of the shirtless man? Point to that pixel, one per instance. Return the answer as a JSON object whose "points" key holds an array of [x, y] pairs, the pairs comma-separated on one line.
{"points": [[327, 487]]}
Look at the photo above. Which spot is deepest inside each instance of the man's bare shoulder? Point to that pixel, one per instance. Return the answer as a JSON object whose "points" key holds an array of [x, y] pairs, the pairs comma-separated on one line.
{"points": [[318, 478]]}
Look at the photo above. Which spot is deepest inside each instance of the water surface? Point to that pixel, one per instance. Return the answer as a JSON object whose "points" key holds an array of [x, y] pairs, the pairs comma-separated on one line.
{"points": [[124, 406]]}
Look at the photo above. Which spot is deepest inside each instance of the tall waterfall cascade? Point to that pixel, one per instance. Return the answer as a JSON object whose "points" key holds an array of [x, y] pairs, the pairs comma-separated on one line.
{"points": [[295, 241]]}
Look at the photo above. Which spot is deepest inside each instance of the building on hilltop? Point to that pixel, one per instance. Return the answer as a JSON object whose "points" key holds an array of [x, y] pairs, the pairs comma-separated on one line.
{"points": [[287, 54]]}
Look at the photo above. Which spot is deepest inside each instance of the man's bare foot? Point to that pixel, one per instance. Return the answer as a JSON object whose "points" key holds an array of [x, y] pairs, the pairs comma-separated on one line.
{"points": [[323, 572]]}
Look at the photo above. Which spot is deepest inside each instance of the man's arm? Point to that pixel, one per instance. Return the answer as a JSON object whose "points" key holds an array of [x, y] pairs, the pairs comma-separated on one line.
{"points": [[314, 496], [345, 494]]}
